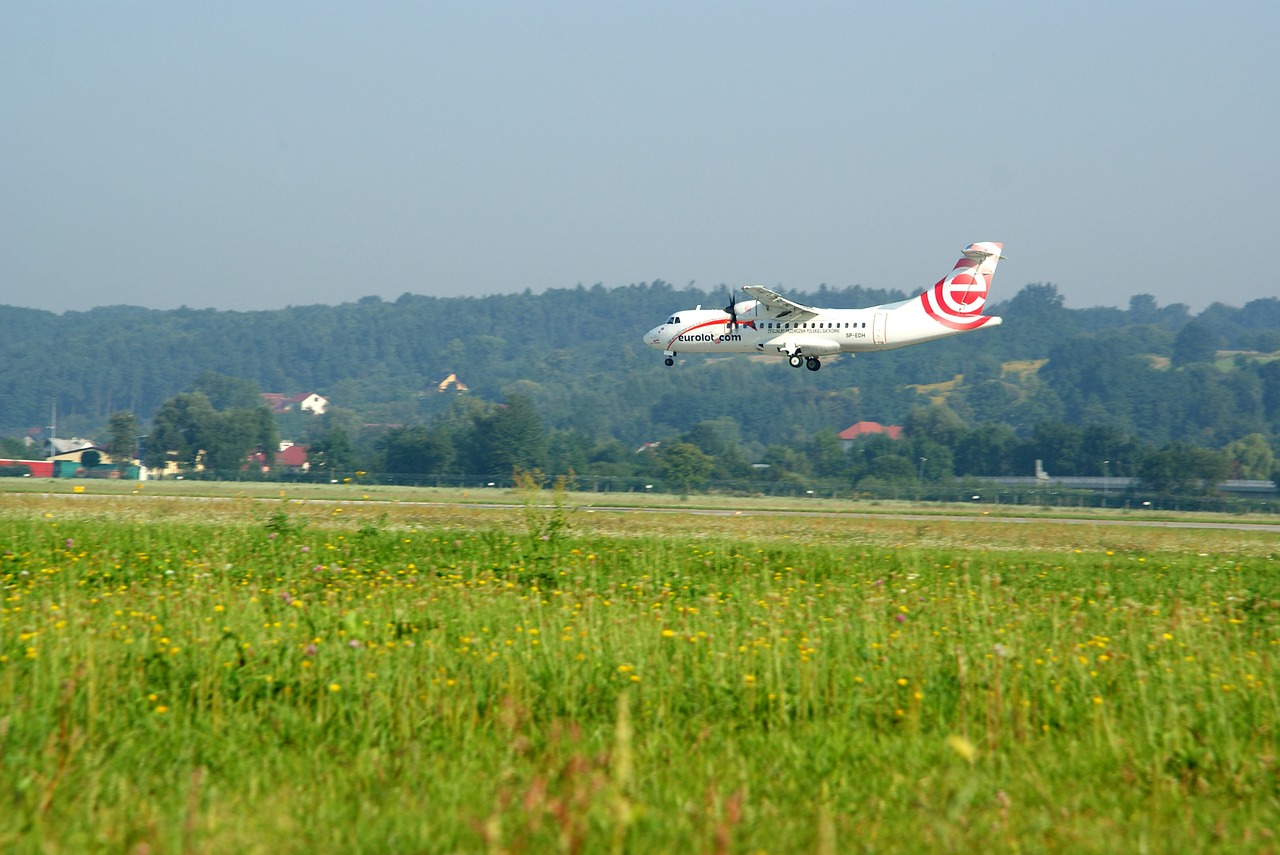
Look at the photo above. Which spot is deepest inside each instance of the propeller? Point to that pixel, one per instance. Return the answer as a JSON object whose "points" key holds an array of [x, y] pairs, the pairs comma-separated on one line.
{"points": [[732, 310]]}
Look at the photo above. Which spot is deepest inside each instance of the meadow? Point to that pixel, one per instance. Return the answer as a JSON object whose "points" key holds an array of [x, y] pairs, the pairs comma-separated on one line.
{"points": [[251, 674]]}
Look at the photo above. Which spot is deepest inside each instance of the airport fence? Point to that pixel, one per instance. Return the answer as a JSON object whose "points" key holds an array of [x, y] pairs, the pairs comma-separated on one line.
{"points": [[964, 491]]}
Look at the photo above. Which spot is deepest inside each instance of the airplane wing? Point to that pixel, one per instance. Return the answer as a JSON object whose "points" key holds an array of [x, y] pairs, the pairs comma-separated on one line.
{"points": [[778, 305]]}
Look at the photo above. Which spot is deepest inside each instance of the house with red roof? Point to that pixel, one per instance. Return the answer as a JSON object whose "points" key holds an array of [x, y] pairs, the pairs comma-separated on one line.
{"points": [[293, 456], [290, 456], [858, 430]]}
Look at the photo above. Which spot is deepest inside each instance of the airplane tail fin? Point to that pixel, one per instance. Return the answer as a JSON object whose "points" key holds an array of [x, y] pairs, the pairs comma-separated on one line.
{"points": [[957, 300]]}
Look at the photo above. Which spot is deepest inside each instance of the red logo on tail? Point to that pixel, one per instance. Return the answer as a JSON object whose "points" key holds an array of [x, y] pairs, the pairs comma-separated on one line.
{"points": [[957, 300]]}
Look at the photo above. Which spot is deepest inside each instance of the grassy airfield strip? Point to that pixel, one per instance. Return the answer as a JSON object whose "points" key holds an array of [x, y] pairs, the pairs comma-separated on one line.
{"points": [[245, 675], [488, 497]]}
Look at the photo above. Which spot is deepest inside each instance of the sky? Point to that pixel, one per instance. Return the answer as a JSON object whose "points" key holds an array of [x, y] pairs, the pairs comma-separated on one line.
{"points": [[255, 155]]}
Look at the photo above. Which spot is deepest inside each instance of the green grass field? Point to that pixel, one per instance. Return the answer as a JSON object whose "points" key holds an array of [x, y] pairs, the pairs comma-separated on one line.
{"points": [[249, 674]]}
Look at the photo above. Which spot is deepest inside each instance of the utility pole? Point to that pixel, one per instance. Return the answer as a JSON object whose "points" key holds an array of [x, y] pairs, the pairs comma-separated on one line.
{"points": [[53, 425]]}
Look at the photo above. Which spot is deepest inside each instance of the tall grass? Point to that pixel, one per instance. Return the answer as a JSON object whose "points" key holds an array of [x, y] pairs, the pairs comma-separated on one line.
{"points": [[246, 676]]}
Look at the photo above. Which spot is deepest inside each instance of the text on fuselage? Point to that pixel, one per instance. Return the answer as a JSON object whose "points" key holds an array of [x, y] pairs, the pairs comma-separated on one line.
{"points": [[709, 337]]}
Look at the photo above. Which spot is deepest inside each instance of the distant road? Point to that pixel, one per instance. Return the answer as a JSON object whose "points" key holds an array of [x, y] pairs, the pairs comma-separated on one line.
{"points": [[1214, 525]]}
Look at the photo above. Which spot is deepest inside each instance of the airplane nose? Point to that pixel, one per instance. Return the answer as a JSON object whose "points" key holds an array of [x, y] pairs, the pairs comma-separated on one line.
{"points": [[653, 337]]}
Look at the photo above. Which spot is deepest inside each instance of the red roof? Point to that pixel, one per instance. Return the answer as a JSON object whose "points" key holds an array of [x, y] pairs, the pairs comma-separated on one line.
{"points": [[275, 401], [869, 428], [294, 455]]}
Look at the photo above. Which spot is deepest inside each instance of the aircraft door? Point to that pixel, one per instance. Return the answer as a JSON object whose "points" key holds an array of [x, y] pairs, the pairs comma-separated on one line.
{"points": [[878, 324]]}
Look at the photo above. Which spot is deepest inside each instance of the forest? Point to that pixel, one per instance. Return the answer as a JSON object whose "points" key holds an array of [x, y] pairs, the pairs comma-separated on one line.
{"points": [[559, 381]]}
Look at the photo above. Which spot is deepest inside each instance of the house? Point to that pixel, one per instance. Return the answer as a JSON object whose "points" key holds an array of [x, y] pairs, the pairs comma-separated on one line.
{"points": [[70, 455], [81, 458], [66, 449], [859, 430], [292, 456], [312, 403], [307, 402]]}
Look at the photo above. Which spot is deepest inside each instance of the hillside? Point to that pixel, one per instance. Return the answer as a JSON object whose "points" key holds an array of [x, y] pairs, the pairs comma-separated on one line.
{"points": [[576, 354]]}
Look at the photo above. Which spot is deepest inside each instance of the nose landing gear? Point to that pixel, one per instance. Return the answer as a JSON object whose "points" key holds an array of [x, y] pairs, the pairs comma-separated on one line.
{"points": [[669, 361]]}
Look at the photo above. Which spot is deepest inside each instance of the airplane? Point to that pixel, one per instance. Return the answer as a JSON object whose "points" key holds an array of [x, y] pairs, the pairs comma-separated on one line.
{"points": [[771, 324]]}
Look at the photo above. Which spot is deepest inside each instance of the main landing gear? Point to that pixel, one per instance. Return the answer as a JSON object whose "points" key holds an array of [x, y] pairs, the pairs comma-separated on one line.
{"points": [[810, 362]]}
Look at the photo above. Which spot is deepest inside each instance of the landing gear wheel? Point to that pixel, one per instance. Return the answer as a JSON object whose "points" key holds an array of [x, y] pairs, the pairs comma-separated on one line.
{"points": [[813, 363], [669, 361], [796, 360]]}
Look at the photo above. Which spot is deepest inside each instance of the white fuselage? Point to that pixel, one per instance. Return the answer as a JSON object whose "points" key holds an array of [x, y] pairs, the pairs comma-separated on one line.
{"points": [[829, 332]]}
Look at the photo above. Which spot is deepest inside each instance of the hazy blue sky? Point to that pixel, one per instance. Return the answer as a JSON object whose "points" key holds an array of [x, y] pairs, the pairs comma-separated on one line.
{"points": [[252, 155]]}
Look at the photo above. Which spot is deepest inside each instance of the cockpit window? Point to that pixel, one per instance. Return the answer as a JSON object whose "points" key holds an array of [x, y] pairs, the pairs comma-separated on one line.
{"points": [[674, 319]]}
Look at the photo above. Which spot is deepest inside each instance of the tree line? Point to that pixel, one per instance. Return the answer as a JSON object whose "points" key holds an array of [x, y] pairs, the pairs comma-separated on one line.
{"points": [[560, 381], [476, 441]]}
